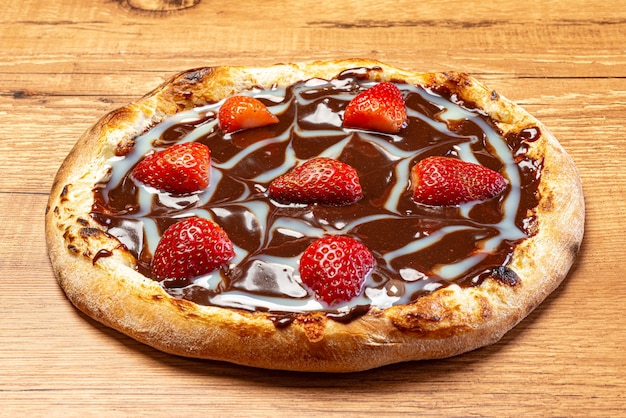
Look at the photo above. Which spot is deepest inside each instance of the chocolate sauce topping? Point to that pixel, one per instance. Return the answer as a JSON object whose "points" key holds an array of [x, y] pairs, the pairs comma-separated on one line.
{"points": [[418, 248]]}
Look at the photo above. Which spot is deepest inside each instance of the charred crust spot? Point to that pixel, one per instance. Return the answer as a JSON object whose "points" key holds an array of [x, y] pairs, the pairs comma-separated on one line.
{"points": [[494, 95], [82, 222], [157, 298], [57, 210], [179, 90], [458, 78], [505, 275], [191, 77], [64, 192], [73, 248], [67, 235], [195, 76], [124, 148], [90, 232]]}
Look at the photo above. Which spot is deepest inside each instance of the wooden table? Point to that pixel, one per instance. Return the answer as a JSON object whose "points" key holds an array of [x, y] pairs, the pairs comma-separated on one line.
{"points": [[65, 63]]}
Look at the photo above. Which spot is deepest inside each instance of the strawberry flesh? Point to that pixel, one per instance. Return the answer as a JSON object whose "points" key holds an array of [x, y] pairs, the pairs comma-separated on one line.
{"points": [[380, 108], [445, 181], [190, 248], [243, 112], [320, 180], [179, 169], [335, 268]]}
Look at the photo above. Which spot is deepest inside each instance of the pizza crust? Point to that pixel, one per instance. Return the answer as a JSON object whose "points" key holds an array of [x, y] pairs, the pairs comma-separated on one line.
{"points": [[97, 272]]}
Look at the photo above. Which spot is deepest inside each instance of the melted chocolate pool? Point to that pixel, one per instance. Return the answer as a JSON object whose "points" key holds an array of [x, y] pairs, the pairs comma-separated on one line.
{"points": [[418, 248]]}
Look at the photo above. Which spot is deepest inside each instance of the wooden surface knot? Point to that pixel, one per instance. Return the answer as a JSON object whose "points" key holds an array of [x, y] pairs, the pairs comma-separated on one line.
{"points": [[159, 5]]}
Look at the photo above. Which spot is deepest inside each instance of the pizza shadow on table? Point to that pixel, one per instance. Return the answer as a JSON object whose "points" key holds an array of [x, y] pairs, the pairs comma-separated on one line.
{"points": [[332, 216]]}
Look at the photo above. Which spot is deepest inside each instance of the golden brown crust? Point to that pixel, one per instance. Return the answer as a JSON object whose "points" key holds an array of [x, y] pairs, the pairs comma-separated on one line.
{"points": [[444, 323]]}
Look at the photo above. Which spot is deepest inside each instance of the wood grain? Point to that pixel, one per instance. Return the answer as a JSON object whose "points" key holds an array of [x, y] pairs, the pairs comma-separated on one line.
{"points": [[65, 63]]}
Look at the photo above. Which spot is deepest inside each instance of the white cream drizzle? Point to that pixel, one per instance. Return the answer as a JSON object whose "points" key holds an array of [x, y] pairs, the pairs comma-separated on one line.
{"points": [[258, 211]]}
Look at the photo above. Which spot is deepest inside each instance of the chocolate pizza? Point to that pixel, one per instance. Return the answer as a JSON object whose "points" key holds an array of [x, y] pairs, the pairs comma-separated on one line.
{"points": [[322, 216]]}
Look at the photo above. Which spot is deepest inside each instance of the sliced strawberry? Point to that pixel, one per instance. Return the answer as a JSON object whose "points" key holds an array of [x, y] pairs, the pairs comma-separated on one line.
{"points": [[335, 268], [179, 169], [444, 181], [320, 180], [190, 248], [243, 112], [380, 108]]}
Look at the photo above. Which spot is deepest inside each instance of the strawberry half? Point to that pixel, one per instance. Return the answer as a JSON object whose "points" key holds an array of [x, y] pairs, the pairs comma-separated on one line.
{"points": [[380, 108], [179, 169], [320, 180], [444, 181], [335, 268], [190, 248], [243, 112]]}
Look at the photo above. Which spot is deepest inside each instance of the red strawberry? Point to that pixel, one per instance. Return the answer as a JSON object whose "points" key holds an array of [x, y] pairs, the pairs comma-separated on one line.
{"points": [[379, 108], [243, 112], [190, 248], [335, 267], [444, 181], [320, 180], [179, 169]]}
